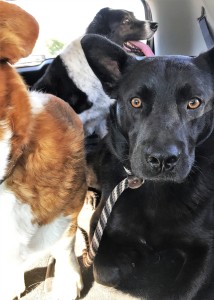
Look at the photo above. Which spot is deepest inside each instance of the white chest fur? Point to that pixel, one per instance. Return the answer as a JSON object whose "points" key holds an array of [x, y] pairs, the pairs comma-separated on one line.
{"points": [[5, 149], [20, 238], [23, 241], [93, 119]]}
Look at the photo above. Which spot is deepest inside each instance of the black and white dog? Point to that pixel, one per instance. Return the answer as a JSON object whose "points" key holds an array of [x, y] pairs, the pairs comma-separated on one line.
{"points": [[70, 77], [159, 238]]}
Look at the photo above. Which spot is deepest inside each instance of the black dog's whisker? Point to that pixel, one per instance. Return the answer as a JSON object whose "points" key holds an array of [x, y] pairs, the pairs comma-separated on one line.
{"points": [[209, 160]]}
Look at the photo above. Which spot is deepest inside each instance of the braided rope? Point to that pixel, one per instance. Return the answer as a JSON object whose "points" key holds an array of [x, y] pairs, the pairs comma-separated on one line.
{"points": [[90, 252]]}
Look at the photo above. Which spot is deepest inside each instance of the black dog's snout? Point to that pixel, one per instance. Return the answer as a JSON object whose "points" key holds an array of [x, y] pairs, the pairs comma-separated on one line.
{"points": [[154, 26], [159, 162], [164, 160]]}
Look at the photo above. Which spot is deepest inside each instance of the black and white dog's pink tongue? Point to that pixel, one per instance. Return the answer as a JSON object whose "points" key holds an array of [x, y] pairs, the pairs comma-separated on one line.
{"points": [[145, 49]]}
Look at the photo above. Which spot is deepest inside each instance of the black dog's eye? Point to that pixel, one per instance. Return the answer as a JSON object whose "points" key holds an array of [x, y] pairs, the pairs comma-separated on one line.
{"points": [[126, 21], [136, 102], [194, 103]]}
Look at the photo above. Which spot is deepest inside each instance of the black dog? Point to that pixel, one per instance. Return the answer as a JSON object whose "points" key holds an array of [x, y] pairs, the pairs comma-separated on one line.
{"points": [[159, 238], [121, 27], [70, 77]]}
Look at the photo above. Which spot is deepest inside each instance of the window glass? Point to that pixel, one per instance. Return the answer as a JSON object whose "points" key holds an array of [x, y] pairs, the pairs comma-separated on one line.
{"points": [[61, 21]]}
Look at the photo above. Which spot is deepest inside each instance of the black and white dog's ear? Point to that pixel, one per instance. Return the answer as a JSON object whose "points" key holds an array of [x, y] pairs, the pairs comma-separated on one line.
{"points": [[107, 60], [100, 23], [206, 60]]}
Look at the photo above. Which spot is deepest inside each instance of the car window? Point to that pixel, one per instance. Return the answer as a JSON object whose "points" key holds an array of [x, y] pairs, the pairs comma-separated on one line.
{"points": [[61, 21]]}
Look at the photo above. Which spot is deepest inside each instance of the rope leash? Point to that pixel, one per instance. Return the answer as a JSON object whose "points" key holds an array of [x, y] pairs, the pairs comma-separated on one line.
{"points": [[90, 252]]}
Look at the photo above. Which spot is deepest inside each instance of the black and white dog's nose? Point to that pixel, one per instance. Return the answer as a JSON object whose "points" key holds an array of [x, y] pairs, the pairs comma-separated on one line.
{"points": [[154, 26]]}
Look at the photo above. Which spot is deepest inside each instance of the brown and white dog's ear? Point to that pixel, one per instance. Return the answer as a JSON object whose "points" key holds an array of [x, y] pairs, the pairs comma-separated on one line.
{"points": [[107, 60], [18, 32]]}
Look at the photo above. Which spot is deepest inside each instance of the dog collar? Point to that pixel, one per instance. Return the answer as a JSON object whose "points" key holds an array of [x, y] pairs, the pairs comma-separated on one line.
{"points": [[128, 172], [133, 181]]}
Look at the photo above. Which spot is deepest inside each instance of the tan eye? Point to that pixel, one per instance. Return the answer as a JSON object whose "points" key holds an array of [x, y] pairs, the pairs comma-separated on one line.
{"points": [[136, 102], [194, 103], [126, 21]]}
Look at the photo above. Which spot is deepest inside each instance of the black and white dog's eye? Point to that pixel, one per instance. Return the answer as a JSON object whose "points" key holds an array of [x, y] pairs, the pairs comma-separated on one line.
{"points": [[136, 102], [194, 103], [126, 21]]}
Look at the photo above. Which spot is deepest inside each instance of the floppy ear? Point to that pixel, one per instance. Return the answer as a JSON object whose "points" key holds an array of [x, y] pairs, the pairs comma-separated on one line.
{"points": [[100, 23], [206, 60], [18, 32], [107, 60]]}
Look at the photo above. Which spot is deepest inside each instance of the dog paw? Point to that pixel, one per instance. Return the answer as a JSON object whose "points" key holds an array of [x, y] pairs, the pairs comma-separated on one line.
{"points": [[67, 287], [91, 199]]}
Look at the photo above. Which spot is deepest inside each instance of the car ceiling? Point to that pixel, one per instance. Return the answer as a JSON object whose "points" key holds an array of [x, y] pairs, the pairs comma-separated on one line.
{"points": [[179, 31]]}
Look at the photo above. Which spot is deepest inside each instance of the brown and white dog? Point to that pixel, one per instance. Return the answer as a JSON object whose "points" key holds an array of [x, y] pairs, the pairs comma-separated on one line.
{"points": [[42, 169]]}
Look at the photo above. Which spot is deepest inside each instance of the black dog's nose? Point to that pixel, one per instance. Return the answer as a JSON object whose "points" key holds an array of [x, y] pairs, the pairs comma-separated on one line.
{"points": [[163, 160], [154, 26]]}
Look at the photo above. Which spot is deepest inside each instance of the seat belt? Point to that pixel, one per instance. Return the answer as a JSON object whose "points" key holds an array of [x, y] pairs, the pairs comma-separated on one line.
{"points": [[148, 16], [208, 38]]}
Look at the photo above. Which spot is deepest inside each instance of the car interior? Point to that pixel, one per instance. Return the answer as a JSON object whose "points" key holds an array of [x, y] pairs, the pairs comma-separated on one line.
{"points": [[185, 27], [178, 32]]}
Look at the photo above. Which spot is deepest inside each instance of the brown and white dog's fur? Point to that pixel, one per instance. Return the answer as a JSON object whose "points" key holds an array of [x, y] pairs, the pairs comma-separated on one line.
{"points": [[42, 169]]}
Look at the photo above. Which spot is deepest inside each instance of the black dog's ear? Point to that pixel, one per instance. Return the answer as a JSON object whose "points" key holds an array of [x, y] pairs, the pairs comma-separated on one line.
{"points": [[107, 60], [206, 60]]}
